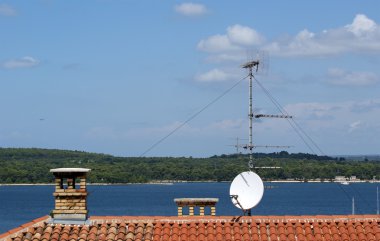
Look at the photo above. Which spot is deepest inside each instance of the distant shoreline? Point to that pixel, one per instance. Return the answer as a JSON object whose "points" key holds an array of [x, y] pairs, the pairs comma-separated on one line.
{"points": [[174, 182]]}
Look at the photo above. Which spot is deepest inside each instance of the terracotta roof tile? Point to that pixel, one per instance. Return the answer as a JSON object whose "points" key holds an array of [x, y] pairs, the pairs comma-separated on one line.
{"points": [[218, 231], [201, 232], [245, 231], [206, 228], [227, 231], [185, 231]]}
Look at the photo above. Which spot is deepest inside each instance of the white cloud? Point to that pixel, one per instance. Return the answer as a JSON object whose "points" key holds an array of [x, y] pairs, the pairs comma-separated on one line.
{"points": [[304, 35], [191, 9], [361, 36], [24, 62], [244, 35], [217, 43], [341, 77], [362, 25], [6, 10], [237, 37], [214, 75]]}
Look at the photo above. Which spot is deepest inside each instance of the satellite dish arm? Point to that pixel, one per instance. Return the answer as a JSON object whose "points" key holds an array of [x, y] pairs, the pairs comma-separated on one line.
{"points": [[235, 197]]}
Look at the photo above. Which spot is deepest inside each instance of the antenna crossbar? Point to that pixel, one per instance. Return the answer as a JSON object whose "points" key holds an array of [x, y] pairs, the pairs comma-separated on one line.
{"points": [[267, 146], [273, 116], [267, 167], [250, 147]]}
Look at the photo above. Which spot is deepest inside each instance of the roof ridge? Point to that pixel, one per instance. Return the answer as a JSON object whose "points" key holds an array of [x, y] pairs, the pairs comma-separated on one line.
{"points": [[258, 219]]}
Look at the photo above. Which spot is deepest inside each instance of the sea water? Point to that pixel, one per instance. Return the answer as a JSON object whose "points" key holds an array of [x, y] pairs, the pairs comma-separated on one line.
{"points": [[22, 204]]}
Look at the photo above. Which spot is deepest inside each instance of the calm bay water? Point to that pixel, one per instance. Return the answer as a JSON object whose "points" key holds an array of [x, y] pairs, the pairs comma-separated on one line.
{"points": [[21, 204]]}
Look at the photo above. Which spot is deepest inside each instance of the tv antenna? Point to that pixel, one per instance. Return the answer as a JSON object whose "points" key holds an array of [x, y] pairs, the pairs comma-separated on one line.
{"points": [[253, 66]]}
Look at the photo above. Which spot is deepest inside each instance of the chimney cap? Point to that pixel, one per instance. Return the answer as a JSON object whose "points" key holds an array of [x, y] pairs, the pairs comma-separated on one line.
{"points": [[71, 170], [196, 201]]}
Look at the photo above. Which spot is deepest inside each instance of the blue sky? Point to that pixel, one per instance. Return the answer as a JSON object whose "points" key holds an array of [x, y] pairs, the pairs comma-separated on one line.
{"points": [[115, 77]]}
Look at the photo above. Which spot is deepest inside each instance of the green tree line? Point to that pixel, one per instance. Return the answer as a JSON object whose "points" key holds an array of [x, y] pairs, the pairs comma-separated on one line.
{"points": [[32, 165]]}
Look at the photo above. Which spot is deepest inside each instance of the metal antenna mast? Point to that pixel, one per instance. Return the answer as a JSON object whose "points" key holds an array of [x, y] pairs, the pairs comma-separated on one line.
{"points": [[250, 65], [253, 66]]}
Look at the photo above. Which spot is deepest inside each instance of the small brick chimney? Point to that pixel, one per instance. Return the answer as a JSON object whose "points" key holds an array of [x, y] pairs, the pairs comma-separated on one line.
{"points": [[70, 195], [191, 203]]}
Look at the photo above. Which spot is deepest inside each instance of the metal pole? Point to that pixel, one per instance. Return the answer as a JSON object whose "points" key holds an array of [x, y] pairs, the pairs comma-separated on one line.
{"points": [[353, 206], [250, 119]]}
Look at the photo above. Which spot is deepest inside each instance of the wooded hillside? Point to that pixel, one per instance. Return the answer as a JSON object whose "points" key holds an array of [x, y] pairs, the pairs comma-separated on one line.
{"points": [[20, 165]]}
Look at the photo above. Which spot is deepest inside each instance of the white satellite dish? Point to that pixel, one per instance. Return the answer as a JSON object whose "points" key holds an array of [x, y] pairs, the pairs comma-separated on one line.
{"points": [[246, 190]]}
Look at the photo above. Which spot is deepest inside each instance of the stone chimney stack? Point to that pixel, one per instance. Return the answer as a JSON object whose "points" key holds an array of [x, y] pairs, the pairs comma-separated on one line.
{"points": [[70, 195]]}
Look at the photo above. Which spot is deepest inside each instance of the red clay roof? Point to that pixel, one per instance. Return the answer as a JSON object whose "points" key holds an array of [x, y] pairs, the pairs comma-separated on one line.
{"points": [[207, 228]]}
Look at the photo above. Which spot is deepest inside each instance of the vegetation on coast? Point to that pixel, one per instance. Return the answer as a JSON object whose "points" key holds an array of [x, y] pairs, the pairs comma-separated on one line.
{"points": [[32, 165]]}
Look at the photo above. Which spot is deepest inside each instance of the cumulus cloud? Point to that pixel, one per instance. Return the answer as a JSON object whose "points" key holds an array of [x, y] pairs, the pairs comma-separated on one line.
{"points": [[243, 35], [191, 9], [6, 10], [237, 37], [24, 62], [362, 35], [362, 25], [217, 43], [341, 77], [214, 75]]}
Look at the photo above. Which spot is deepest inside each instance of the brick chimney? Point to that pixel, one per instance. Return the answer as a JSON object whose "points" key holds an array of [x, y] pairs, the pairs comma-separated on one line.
{"points": [[70, 195], [191, 203]]}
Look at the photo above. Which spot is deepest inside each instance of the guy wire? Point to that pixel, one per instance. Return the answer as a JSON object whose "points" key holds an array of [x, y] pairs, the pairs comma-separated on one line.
{"points": [[192, 117], [297, 128]]}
